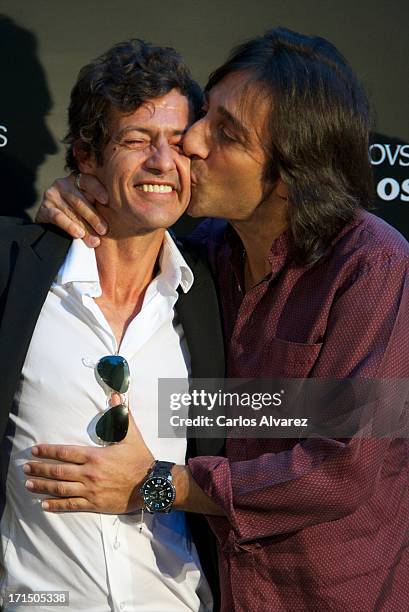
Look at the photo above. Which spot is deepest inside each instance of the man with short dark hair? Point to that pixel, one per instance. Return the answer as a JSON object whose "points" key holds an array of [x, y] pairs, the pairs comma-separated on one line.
{"points": [[312, 286], [83, 333]]}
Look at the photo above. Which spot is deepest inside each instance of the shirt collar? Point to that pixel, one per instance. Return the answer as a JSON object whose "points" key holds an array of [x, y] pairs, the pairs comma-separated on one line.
{"points": [[173, 265], [80, 266], [277, 257]]}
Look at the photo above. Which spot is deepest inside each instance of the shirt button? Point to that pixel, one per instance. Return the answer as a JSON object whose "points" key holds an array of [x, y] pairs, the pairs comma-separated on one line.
{"points": [[122, 605], [116, 546]]}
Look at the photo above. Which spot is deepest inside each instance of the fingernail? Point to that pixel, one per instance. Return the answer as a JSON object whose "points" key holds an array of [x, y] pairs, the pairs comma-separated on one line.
{"points": [[103, 198], [34, 451], [94, 241], [101, 228], [79, 233], [45, 505], [29, 484], [27, 468]]}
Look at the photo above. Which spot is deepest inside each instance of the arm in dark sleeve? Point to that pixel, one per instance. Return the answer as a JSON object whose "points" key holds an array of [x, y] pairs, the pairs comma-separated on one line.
{"points": [[322, 479]]}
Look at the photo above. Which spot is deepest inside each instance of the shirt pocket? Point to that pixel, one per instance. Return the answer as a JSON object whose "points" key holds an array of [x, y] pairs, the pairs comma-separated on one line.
{"points": [[285, 359]]}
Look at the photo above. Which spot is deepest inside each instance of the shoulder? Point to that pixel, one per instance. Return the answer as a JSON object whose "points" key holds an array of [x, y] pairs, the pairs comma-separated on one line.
{"points": [[206, 241], [20, 231], [209, 233], [17, 235], [367, 245], [17, 231], [375, 239]]}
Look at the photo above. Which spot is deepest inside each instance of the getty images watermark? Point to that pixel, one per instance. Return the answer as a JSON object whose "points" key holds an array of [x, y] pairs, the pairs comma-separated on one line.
{"points": [[282, 408], [215, 401]]}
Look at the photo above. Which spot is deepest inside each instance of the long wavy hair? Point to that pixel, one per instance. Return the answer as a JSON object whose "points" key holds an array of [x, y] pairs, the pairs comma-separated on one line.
{"points": [[318, 132]]}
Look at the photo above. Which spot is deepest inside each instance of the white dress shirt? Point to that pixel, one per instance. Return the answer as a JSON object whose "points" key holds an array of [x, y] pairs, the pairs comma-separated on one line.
{"points": [[104, 561]]}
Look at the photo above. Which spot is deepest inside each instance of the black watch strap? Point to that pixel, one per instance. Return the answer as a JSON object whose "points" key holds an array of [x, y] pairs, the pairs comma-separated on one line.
{"points": [[162, 469]]}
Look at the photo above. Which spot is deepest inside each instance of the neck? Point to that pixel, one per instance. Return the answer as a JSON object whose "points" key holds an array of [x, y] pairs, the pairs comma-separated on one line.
{"points": [[127, 256], [126, 260], [126, 266], [257, 235]]}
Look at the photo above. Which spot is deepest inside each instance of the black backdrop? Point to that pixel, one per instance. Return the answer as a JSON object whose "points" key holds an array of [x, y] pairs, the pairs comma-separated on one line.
{"points": [[44, 43]]}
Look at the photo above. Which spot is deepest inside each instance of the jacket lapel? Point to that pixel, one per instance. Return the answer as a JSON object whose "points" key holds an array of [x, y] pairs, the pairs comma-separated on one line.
{"points": [[198, 311], [36, 258]]}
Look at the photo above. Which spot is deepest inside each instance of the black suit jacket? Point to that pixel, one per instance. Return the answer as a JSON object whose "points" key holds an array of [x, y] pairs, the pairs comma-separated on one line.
{"points": [[30, 257]]}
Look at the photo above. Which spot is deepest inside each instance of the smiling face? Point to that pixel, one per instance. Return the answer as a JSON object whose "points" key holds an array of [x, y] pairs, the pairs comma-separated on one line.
{"points": [[144, 169], [228, 158]]}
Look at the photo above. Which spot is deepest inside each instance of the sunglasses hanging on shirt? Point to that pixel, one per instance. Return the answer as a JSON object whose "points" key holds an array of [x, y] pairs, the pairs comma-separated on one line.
{"points": [[113, 373]]}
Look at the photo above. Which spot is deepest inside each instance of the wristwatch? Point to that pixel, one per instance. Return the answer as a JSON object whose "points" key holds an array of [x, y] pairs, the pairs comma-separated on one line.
{"points": [[158, 492]]}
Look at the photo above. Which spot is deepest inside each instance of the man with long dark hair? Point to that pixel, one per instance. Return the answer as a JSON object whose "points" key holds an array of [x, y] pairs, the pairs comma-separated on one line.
{"points": [[311, 286]]}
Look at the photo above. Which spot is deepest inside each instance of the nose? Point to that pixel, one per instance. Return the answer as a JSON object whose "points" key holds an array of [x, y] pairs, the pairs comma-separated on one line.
{"points": [[195, 141], [162, 159]]}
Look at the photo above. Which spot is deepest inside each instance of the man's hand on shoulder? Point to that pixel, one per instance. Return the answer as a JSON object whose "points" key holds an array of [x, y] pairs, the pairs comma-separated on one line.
{"points": [[73, 210]]}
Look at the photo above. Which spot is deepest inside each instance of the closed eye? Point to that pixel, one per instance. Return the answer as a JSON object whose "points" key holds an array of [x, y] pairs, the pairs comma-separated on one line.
{"points": [[134, 142], [225, 135]]}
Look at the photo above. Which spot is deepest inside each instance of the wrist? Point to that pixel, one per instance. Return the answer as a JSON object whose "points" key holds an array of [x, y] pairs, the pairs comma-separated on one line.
{"points": [[180, 474], [189, 496]]}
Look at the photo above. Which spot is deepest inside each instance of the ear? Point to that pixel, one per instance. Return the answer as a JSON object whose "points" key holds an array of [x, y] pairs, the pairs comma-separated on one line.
{"points": [[281, 190], [84, 157]]}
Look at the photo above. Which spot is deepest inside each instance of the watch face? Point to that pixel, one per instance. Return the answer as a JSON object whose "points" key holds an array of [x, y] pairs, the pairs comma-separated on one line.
{"points": [[158, 494]]}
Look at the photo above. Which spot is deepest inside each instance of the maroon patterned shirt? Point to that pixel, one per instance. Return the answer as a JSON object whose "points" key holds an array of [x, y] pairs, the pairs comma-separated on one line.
{"points": [[317, 524]]}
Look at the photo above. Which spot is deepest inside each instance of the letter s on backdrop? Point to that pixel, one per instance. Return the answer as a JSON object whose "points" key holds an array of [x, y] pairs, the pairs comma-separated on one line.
{"points": [[3, 138]]}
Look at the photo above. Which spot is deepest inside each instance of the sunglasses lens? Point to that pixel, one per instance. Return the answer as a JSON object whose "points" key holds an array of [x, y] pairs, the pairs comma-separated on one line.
{"points": [[114, 371], [113, 424]]}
